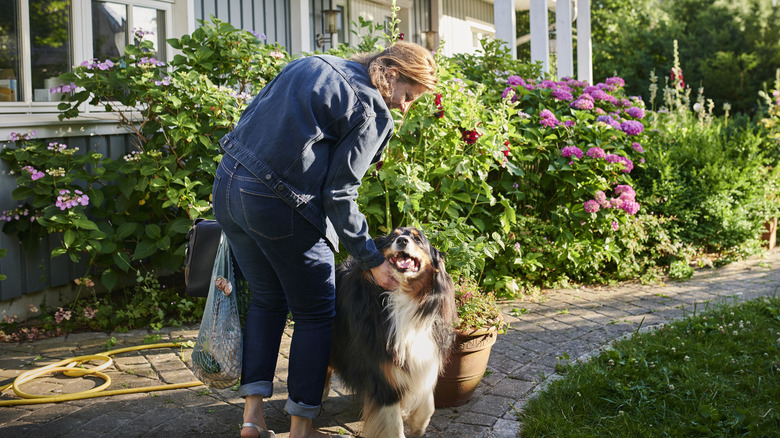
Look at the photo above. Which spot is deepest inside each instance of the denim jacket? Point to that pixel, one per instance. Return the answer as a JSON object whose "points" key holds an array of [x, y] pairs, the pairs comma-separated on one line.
{"points": [[310, 135]]}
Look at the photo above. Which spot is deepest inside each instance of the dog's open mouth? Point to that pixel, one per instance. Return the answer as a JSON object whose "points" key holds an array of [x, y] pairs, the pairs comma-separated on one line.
{"points": [[404, 262]]}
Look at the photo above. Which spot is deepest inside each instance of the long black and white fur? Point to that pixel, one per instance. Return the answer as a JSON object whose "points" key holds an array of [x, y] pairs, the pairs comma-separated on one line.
{"points": [[389, 346]]}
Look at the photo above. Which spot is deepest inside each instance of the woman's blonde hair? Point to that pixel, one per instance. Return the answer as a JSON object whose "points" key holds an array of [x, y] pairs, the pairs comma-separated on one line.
{"points": [[414, 64]]}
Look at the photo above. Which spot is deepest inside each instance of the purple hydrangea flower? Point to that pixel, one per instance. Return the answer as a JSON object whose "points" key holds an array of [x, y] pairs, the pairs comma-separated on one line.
{"points": [[638, 147], [550, 123], [561, 94], [582, 104], [612, 158], [600, 196], [632, 127], [569, 151], [592, 206], [569, 123], [616, 81], [515, 80], [636, 112], [546, 114], [614, 226]]}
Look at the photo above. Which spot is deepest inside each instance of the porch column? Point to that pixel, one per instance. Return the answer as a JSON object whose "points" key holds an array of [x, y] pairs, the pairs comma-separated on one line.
{"points": [[183, 18], [563, 38], [506, 24], [300, 34], [584, 49], [540, 39]]}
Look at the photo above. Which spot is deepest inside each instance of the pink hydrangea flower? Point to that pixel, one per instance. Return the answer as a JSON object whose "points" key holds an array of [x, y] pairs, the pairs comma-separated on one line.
{"points": [[596, 152], [591, 206], [569, 151]]}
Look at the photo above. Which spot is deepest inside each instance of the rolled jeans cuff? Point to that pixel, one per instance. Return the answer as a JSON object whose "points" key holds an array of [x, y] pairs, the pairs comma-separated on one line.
{"points": [[301, 409], [265, 389]]}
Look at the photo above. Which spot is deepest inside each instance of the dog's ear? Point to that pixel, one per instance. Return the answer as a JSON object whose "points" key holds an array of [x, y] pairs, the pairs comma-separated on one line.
{"points": [[380, 242], [443, 285]]}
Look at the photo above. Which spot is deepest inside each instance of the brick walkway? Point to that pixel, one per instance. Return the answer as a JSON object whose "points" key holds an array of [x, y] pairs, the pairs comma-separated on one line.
{"points": [[576, 322]]}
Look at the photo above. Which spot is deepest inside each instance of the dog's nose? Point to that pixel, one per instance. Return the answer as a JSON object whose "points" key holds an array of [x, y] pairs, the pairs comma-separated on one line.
{"points": [[401, 241]]}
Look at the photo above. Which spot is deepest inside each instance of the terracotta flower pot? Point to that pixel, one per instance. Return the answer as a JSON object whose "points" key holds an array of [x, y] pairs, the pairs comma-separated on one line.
{"points": [[466, 366]]}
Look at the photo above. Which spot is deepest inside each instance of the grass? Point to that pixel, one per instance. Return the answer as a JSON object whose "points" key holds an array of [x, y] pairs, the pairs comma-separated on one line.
{"points": [[714, 374]]}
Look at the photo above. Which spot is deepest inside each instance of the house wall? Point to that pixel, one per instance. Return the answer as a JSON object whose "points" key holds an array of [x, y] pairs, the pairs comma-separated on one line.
{"points": [[271, 17], [462, 22]]}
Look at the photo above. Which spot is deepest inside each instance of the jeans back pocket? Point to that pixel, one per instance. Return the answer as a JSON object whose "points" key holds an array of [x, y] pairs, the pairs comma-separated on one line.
{"points": [[265, 213]]}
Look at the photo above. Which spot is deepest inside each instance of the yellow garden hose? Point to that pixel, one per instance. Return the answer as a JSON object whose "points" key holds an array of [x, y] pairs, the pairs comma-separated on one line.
{"points": [[67, 367]]}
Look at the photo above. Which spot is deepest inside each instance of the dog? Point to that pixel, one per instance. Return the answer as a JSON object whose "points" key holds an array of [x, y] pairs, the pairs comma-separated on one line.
{"points": [[389, 346]]}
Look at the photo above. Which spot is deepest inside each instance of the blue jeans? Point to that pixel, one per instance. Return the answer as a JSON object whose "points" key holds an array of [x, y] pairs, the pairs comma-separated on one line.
{"points": [[289, 266]]}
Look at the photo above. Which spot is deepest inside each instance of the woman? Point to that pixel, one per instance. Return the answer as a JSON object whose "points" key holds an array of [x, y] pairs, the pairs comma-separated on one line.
{"points": [[285, 195]]}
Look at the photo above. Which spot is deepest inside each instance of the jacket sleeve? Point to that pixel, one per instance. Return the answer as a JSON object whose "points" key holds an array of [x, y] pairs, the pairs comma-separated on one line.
{"points": [[350, 160]]}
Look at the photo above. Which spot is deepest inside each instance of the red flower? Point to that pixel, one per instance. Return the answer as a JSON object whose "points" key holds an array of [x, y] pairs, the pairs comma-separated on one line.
{"points": [[439, 114], [470, 137], [401, 37], [506, 151]]}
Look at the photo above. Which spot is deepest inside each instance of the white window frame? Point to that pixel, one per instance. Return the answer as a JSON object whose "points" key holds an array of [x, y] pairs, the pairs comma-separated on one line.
{"points": [[42, 116]]}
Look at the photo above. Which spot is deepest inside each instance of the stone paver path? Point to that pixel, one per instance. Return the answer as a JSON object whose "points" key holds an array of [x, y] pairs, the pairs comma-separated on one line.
{"points": [[576, 322]]}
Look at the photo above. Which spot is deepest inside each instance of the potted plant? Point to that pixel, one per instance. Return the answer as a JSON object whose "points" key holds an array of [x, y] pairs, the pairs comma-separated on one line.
{"points": [[478, 325]]}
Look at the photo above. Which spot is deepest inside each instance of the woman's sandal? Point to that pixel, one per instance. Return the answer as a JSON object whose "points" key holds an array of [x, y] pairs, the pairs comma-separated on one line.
{"points": [[263, 433]]}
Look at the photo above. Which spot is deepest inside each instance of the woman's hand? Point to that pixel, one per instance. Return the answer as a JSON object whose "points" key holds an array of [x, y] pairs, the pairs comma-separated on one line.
{"points": [[383, 276]]}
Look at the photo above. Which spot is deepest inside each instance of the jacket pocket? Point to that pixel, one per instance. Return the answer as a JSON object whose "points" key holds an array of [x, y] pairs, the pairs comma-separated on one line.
{"points": [[266, 214]]}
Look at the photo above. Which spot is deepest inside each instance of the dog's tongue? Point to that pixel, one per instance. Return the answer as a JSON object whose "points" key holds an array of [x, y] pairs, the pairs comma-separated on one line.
{"points": [[404, 263]]}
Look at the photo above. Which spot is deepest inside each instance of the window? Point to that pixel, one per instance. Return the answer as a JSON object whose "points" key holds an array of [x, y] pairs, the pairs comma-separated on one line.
{"points": [[42, 39], [112, 23], [49, 41]]}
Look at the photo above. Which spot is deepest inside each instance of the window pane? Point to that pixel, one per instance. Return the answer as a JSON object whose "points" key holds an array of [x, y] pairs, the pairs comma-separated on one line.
{"points": [[9, 52], [109, 30], [152, 22], [50, 46]]}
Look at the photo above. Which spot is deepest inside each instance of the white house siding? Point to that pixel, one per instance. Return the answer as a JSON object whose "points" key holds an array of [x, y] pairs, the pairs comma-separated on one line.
{"points": [[271, 17], [461, 21]]}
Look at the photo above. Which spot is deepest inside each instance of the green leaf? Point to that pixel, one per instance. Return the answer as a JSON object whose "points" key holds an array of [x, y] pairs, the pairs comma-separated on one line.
{"points": [[68, 237], [180, 225], [122, 260], [22, 193], [109, 279], [153, 231], [126, 229], [144, 249], [96, 197], [85, 224], [175, 101]]}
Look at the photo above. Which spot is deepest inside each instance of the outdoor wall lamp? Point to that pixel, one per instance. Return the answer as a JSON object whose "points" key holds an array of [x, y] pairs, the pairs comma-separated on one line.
{"points": [[331, 27], [430, 39]]}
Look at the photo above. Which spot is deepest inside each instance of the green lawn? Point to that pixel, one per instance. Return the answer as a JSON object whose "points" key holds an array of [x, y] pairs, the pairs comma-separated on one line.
{"points": [[715, 374]]}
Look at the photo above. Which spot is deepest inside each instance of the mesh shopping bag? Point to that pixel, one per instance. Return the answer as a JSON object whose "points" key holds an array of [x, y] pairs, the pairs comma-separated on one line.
{"points": [[217, 353]]}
